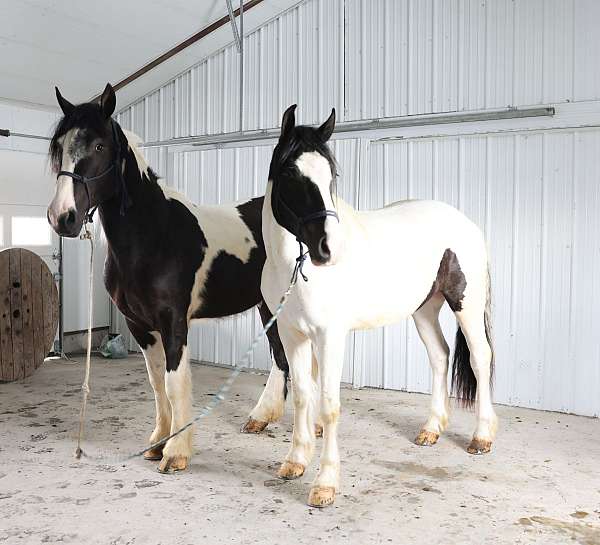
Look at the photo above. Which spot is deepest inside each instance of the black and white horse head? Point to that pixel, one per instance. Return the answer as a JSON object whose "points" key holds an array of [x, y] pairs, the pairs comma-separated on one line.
{"points": [[85, 153], [303, 173]]}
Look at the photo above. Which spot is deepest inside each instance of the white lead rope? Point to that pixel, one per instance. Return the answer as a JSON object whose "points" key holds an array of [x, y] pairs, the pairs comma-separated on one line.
{"points": [[217, 398], [86, 381]]}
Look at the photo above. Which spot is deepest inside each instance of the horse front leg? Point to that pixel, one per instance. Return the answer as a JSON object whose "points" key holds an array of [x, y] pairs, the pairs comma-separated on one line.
{"points": [[329, 353], [298, 351], [151, 345], [177, 451]]}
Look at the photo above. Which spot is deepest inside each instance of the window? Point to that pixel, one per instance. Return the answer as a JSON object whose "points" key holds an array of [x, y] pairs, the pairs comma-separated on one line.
{"points": [[28, 231]]}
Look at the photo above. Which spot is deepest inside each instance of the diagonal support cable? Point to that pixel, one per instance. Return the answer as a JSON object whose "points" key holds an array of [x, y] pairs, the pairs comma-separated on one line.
{"points": [[234, 28]]}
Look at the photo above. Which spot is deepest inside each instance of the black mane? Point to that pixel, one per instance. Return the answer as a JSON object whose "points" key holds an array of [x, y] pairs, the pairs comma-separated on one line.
{"points": [[302, 139]]}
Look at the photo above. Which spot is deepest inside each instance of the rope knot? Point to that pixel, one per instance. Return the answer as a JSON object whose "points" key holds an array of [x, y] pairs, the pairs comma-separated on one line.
{"points": [[299, 264]]}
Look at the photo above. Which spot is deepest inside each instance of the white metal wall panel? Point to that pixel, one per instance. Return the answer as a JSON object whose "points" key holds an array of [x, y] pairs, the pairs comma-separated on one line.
{"points": [[385, 58], [422, 56]]}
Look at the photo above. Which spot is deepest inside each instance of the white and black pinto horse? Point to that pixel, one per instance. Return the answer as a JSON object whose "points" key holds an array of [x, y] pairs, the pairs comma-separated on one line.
{"points": [[367, 269], [168, 261]]}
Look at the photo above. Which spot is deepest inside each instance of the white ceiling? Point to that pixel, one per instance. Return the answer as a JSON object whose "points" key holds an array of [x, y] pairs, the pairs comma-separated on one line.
{"points": [[79, 45]]}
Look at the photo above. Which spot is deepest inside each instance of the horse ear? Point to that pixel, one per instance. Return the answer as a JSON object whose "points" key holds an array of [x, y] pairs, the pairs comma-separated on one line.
{"points": [[326, 129], [64, 104], [288, 122], [108, 101]]}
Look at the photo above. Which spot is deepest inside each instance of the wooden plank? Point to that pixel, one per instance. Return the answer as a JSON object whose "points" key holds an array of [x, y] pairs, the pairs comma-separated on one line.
{"points": [[37, 311], [26, 311], [16, 312], [55, 311], [50, 308], [6, 355]]}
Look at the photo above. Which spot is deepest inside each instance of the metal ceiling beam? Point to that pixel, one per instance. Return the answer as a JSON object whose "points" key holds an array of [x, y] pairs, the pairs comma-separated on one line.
{"points": [[356, 126], [181, 46]]}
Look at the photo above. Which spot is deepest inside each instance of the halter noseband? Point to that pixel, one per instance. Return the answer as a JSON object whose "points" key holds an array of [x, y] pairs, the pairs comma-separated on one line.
{"points": [[85, 180], [301, 221]]}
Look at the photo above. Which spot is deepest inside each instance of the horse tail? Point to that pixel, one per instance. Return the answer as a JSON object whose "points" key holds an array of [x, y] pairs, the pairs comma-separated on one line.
{"points": [[487, 320], [464, 382]]}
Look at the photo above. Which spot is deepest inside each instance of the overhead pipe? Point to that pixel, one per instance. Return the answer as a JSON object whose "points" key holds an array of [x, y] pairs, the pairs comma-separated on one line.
{"points": [[356, 126], [8, 133]]}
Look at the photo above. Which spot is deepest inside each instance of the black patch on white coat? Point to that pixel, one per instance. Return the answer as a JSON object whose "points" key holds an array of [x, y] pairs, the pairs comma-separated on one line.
{"points": [[450, 281], [232, 286]]}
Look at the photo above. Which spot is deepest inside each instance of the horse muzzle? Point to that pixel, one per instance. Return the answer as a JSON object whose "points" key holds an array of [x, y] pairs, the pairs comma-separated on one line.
{"points": [[65, 224]]}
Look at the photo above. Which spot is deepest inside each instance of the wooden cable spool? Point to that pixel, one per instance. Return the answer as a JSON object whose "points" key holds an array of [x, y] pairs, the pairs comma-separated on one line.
{"points": [[28, 313]]}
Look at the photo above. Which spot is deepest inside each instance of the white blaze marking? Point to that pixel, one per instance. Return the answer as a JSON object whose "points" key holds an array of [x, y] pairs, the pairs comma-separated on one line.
{"points": [[64, 199], [317, 169]]}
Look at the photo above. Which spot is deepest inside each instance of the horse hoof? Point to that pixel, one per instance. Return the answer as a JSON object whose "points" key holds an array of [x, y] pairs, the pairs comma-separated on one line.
{"points": [[318, 430], [479, 446], [321, 496], [254, 426], [154, 454], [427, 438], [173, 464], [290, 470]]}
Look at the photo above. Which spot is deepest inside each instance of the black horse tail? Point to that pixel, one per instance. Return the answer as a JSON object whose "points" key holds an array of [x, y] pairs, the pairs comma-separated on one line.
{"points": [[464, 383]]}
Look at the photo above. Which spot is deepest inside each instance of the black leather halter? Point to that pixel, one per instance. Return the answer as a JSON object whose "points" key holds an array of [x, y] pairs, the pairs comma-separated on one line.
{"points": [[300, 221], [85, 180]]}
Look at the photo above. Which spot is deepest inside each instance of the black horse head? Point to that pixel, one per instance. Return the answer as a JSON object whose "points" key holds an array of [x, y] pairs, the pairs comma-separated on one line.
{"points": [[303, 173], [84, 153]]}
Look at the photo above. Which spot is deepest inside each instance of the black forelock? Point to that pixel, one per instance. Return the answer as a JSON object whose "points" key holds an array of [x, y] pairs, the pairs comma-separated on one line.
{"points": [[301, 140], [88, 116]]}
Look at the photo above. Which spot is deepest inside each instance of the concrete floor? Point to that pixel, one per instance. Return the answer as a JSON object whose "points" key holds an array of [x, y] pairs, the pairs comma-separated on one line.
{"points": [[541, 484]]}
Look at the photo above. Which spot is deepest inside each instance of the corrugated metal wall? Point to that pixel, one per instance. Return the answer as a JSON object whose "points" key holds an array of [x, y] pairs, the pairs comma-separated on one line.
{"points": [[535, 193]]}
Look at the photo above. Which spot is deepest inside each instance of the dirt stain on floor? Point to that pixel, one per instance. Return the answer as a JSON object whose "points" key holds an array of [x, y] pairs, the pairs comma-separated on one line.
{"points": [[411, 468], [584, 533]]}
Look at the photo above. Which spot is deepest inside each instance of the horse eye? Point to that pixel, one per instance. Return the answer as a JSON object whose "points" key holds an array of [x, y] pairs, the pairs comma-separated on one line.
{"points": [[99, 147]]}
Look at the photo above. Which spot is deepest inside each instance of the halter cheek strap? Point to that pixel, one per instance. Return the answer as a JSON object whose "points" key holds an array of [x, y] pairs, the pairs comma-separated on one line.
{"points": [[86, 180]]}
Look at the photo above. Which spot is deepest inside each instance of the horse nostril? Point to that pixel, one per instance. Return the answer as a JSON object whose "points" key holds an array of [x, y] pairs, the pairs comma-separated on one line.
{"points": [[70, 221], [66, 221], [324, 251]]}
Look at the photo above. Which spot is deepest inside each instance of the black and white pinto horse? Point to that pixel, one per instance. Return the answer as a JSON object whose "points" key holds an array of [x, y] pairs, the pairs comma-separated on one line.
{"points": [[367, 269], [168, 261]]}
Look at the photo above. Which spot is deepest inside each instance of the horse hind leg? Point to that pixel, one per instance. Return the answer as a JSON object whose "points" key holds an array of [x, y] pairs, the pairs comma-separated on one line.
{"points": [[271, 403], [472, 368], [430, 332]]}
